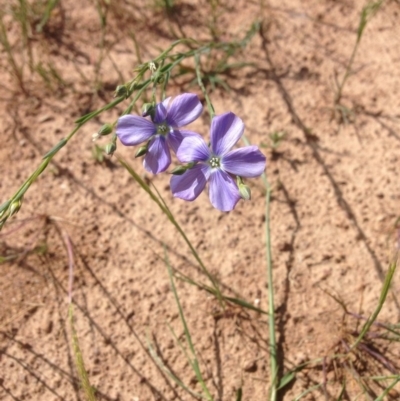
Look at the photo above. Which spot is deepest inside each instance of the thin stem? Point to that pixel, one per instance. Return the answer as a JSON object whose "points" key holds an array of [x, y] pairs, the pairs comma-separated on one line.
{"points": [[367, 11], [18, 71], [194, 363], [192, 248], [210, 107], [50, 5], [347, 73], [271, 308], [4, 213], [382, 298], [103, 25], [79, 362], [14, 203], [161, 204], [387, 390]]}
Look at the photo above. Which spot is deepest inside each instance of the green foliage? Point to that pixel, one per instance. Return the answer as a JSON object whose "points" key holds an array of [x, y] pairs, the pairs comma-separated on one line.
{"points": [[367, 13], [276, 138], [307, 391], [286, 379], [50, 75], [342, 391], [16, 68], [39, 249], [49, 7], [192, 357], [162, 205], [79, 362], [382, 299], [26, 15]]}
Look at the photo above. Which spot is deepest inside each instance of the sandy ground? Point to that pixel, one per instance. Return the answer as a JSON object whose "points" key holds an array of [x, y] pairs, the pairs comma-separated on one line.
{"points": [[335, 199]]}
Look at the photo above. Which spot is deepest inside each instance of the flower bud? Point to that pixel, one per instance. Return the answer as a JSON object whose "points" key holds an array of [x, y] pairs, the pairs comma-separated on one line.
{"points": [[110, 148], [148, 109], [245, 192], [15, 206], [121, 90], [179, 170], [105, 130], [141, 151]]}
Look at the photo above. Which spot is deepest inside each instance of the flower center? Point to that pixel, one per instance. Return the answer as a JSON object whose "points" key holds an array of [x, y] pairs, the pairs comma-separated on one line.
{"points": [[162, 129], [214, 162]]}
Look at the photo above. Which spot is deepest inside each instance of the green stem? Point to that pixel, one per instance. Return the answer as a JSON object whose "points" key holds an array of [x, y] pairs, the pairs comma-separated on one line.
{"points": [[49, 156], [370, 9], [387, 390], [162, 205], [347, 73], [210, 107], [132, 86], [194, 362], [271, 308], [171, 217], [382, 299], [80, 365], [18, 71]]}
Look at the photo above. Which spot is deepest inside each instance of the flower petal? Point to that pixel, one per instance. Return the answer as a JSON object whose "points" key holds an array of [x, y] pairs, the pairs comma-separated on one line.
{"points": [[158, 157], [176, 137], [224, 193], [189, 185], [193, 149], [245, 162], [161, 111], [132, 130], [184, 109], [226, 130]]}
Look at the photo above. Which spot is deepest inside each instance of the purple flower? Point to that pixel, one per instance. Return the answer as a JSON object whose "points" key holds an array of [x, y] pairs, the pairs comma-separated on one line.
{"points": [[163, 131], [217, 164]]}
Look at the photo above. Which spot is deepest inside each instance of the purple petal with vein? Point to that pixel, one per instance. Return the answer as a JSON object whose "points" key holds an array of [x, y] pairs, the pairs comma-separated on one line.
{"points": [[189, 185], [226, 130], [224, 193], [161, 111], [176, 137], [132, 130], [184, 109], [158, 157], [245, 162], [193, 149]]}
